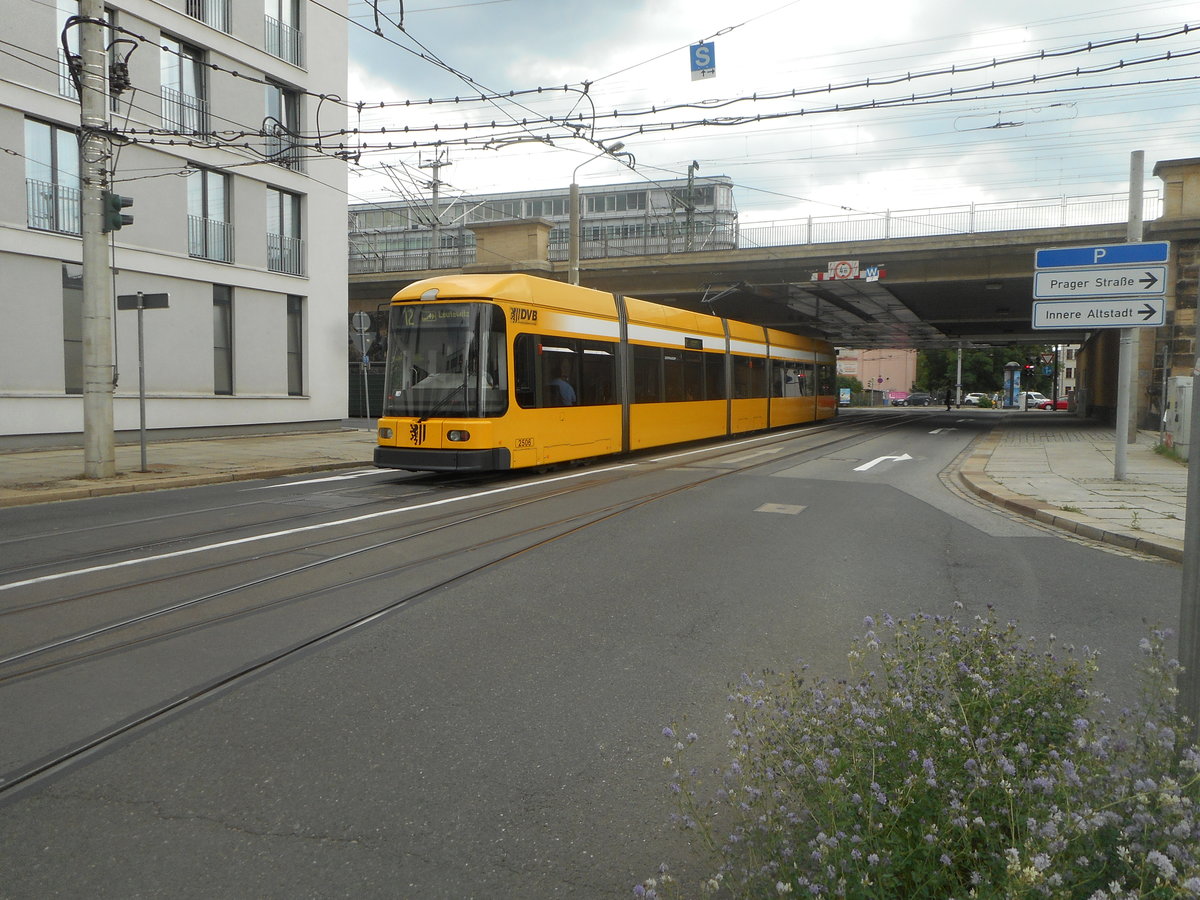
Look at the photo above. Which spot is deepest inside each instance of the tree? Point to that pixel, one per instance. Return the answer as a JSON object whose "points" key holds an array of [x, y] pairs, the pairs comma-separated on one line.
{"points": [[982, 369]]}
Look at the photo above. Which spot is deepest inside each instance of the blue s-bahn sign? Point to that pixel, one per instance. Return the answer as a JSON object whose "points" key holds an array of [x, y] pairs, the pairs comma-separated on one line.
{"points": [[1104, 255], [704, 60]]}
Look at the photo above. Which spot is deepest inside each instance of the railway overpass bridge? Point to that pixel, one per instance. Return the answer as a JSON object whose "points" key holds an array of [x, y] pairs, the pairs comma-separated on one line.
{"points": [[951, 290]]}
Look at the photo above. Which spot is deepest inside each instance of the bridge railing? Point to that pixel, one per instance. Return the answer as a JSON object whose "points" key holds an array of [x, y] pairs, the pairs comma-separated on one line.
{"points": [[972, 218]]}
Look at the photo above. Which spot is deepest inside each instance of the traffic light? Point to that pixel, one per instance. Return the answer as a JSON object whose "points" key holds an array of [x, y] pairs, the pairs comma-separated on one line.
{"points": [[112, 204]]}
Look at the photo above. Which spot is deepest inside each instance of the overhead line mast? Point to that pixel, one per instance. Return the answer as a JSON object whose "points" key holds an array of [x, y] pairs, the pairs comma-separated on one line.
{"points": [[99, 459]]}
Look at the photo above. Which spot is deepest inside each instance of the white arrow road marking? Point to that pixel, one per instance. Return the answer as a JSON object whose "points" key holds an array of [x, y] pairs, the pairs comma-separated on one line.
{"points": [[876, 462]]}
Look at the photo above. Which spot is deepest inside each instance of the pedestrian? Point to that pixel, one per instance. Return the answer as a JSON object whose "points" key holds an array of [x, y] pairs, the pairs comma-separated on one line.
{"points": [[949, 398]]}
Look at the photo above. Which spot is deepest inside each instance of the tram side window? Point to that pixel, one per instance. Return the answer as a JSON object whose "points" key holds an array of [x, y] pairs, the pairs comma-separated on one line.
{"points": [[554, 371], [647, 374], [597, 385], [714, 376], [749, 377], [792, 379], [673, 374], [826, 379], [693, 375]]}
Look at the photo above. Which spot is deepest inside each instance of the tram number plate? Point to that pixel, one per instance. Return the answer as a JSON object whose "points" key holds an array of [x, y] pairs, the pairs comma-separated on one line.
{"points": [[525, 443]]}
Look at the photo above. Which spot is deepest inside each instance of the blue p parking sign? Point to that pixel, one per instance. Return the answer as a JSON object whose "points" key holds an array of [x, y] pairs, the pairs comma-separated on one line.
{"points": [[704, 60]]}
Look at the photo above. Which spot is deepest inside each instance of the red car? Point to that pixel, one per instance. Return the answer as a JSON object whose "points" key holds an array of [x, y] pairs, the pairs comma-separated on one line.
{"points": [[1060, 403]]}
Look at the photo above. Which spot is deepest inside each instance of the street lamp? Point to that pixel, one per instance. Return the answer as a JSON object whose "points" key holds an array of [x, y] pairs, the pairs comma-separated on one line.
{"points": [[573, 237]]}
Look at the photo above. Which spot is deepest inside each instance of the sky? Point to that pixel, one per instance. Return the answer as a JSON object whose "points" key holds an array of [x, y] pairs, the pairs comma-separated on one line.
{"points": [[900, 105]]}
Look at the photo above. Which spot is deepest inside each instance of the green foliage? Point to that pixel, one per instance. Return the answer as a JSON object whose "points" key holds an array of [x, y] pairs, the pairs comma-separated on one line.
{"points": [[1170, 453], [982, 370], [962, 762]]}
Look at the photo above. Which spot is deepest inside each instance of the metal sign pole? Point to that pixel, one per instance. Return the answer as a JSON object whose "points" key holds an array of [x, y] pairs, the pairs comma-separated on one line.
{"points": [[1127, 358], [366, 385], [1188, 681], [142, 302], [141, 311]]}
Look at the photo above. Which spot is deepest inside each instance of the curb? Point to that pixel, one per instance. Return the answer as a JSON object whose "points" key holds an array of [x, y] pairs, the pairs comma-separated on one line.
{"points": [[31, 495], [973, 476]]}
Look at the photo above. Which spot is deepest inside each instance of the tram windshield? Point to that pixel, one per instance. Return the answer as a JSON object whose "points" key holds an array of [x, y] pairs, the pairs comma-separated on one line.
{"points": [[446, 359]]}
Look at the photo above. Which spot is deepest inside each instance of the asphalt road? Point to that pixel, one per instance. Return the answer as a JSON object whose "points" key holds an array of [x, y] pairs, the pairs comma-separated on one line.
{"points": [[384, 685]]}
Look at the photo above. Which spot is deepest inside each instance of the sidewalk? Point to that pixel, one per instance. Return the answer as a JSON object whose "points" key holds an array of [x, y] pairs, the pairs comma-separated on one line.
{"points": [[42, 476], [1058, 468], [1051, 466]]}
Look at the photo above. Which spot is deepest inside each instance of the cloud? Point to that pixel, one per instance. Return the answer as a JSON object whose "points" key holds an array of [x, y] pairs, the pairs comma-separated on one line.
{"points": [[1024, 140]]}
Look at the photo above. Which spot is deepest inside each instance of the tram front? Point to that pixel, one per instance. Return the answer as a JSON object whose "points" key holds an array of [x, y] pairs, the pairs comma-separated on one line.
{"points": [[446, 383]]}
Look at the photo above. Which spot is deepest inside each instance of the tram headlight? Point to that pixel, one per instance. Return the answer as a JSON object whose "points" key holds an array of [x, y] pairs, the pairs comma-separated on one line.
{"points": [[385, 434], [458, 435]]}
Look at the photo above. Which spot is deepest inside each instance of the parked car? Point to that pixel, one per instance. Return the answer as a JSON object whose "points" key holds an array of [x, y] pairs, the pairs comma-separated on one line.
{"points": [[973, 398], [1034, 399], [917, 398], [1060, 403]]}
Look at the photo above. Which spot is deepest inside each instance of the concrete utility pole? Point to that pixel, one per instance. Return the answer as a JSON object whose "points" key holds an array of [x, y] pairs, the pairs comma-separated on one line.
{"points": [[436, 164], [958, 378], [573, 237], [99, 453], [1127, 360], [690, 238]]}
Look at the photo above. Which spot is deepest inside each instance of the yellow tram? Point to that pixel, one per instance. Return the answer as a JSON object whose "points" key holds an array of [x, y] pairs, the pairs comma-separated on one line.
{"points": [[494, 372]]}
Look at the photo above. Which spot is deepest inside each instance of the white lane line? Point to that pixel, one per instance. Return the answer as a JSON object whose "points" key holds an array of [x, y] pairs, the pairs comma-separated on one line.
{"points": [[710, 449], [42, 579], [362, 474], [878, 460]]}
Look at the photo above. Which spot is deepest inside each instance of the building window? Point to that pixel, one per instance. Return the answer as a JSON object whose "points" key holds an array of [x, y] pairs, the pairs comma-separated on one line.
{"points": [[222, 339], [52, 178], [210, 233], [184, 94], [282, 127], [549, 207], [64, 9], [72, 310], [295, 345], [621, 202], [285, 248], [217, 13], [283, 37]]}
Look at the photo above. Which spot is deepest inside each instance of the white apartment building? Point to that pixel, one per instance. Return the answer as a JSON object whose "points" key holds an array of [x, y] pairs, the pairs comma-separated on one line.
{"points": [[236, 217]]}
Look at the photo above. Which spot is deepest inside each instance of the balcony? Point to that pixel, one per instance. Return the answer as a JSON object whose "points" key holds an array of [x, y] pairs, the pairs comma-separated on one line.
{"points": [[184, 113], [210, 239], [53, 207], [283, 41], [217, 13], [281, 150], [66, 84], [285, 254]]}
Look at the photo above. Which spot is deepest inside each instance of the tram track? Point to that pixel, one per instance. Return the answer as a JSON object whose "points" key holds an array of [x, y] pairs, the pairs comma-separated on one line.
{"points": [[180, 618]]}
